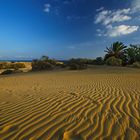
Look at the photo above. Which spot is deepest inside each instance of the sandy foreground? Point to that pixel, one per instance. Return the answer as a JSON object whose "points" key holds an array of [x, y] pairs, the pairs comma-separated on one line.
{"points": [[98, 104]]}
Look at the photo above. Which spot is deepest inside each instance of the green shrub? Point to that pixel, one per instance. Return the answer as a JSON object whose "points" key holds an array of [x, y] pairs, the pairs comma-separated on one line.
{"points": [[74, 66], [41, 65], [77, 64], [47, 59], [136, 65], [44, 63], [112, 61], [63, 66], [7, 72], [98, 61]]}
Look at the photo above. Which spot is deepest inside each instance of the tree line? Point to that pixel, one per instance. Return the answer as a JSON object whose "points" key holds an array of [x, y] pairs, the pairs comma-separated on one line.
{"points": [[126, 55], [117, 54]]}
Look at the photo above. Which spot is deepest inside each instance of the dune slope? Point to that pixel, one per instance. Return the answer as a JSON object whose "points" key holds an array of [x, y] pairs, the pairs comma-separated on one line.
{"points": [[85, 105]]}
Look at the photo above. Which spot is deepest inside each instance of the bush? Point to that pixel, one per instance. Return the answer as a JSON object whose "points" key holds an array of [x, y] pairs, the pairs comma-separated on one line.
{"points": [[41, 65], [98, 61], [44, 63], [112, 61], [7, 72], [136, 65], [47, 59], [64, 66], [77, 64], [74, 66]]}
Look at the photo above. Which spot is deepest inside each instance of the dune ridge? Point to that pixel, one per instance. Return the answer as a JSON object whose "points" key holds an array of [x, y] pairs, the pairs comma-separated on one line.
{"points": [[70, 105]]}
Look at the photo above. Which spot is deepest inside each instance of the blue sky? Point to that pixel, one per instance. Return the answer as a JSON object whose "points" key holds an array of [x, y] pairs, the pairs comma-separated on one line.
{"points": [[63, 29]]}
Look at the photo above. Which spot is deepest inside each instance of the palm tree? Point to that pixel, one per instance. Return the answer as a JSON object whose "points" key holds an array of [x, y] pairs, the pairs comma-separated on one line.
{"points": [[133, 54], [117, 50]]}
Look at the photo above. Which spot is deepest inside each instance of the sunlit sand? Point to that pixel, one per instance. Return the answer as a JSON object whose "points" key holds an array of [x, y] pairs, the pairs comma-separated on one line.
{"points": [[101, 103]]}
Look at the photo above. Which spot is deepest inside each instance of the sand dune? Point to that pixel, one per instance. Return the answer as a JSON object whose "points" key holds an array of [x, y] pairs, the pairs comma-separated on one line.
{"points": [[71, 105]]}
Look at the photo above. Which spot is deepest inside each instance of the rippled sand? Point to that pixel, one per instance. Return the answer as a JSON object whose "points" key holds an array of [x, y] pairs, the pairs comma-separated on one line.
{"points": [[98, 104]]}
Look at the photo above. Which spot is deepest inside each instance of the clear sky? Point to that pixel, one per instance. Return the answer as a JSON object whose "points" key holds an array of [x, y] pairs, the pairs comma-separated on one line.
{"points": [[64, 29]]}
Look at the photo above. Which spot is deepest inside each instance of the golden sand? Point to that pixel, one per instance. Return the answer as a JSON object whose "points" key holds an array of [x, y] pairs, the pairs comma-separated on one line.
{"points": [[98, 104]]}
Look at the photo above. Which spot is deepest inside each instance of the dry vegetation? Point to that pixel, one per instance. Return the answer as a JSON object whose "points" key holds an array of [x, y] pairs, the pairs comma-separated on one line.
{"points": [[14, 67], [102, 103]]}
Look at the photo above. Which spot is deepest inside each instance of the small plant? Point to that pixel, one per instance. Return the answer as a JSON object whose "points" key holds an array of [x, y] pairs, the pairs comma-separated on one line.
{"points": [[112, 61]]}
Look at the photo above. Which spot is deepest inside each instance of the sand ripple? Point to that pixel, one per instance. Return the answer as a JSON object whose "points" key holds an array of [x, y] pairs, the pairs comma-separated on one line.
{"points": [[70, 106]]}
